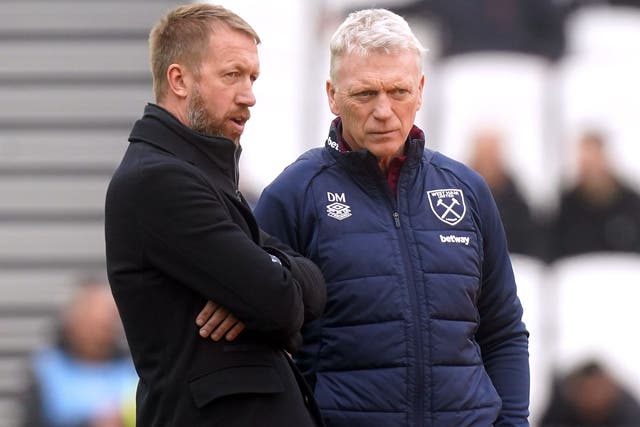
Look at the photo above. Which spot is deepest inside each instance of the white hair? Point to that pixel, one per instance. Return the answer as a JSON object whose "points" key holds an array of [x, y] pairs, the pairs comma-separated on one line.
{"points": [[373, 30]]}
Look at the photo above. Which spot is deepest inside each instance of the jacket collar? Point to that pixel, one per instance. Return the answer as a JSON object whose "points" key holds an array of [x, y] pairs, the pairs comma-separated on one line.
{"points": [[163, 130], [339, 149]]}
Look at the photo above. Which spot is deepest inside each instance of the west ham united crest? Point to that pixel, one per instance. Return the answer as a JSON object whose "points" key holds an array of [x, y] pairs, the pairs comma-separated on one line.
{"points": [[448, 205]]}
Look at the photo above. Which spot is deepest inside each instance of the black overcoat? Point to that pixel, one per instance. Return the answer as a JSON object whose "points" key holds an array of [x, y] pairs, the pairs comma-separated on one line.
{"points": [[178, 233]]}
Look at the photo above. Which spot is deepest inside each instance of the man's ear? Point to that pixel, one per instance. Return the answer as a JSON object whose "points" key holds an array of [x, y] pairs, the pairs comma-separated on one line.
{"points": [[178, 80], [331, 96], [420, 90]]}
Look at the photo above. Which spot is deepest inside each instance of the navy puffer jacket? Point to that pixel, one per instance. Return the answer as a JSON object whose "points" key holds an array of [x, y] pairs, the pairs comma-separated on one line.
{"points": [[422, 324]]}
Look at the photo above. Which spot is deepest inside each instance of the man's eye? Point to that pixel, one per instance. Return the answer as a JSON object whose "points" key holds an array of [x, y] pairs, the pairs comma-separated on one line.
{"points": [[400, 93], [366, 94], [233, 74]]}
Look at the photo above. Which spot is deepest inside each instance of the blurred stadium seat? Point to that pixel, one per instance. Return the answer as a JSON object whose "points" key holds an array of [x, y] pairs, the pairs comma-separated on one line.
{"points": [[599, 86], [595, 298], [603, 31], [601, 93]]}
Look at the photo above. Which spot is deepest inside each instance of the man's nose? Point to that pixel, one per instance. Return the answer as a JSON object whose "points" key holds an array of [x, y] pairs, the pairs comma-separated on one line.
{"points": [[245, 95], [382, 109]]}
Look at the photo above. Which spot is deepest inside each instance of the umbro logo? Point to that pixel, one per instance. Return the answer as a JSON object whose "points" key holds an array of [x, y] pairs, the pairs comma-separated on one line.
{"points": [[339, 208]]}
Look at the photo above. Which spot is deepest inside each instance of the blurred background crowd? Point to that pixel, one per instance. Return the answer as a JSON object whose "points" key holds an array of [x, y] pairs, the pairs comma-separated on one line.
{"points": [[541, 97]]}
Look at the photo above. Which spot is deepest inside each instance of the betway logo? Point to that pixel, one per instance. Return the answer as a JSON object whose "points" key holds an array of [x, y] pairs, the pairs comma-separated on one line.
{"points": [[454, 239], [333, 144]]}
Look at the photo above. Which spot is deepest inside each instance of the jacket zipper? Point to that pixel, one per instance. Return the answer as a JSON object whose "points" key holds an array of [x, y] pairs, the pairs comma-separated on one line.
{"points": [[236, 182], [415, 309]]}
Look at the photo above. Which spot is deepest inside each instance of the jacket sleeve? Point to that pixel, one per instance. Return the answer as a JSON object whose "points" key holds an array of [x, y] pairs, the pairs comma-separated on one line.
{"points": [[280, 213], [189, 234], [502, 335], [304, 271]]}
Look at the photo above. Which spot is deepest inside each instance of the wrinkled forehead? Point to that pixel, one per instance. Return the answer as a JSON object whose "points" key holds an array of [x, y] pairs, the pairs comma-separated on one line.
{"points": [[366, 56], [401, 66]]}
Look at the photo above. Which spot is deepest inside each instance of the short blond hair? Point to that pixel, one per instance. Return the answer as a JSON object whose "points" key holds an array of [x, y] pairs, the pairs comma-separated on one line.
{"points": [[370, 31], [182, 37]]}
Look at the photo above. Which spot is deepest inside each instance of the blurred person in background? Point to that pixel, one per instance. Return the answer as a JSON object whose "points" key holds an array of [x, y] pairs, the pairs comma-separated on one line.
{"points": [[600, 212], [179, 232], [85, 377], [589, 396], [422, 325], [487, 158]]}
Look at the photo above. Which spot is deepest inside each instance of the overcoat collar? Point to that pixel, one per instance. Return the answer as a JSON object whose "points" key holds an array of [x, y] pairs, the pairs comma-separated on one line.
{"points": [[163, 130]]}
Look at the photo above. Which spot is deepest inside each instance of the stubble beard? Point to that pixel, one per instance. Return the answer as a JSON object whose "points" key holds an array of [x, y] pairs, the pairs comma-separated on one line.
{"points": [[198, 117]]}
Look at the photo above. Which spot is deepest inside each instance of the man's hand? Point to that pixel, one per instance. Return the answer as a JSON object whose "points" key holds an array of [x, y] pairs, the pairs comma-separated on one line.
{"points": [[216, 322]]}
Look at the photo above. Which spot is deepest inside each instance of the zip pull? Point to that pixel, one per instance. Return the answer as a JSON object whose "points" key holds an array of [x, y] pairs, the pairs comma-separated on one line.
{"points": [[396, 219], [236, 170]]}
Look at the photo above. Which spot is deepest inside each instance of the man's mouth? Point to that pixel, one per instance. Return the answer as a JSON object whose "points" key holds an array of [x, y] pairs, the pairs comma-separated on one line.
{"points": [[383, 132], [240, 120], [241, 116], [237, 124]]}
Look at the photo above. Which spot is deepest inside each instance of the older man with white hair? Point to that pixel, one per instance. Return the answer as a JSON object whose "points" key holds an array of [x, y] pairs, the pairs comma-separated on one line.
{"points": [[423, 325]]}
